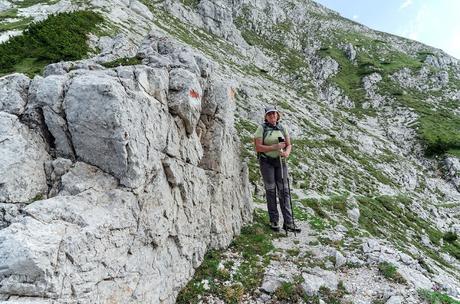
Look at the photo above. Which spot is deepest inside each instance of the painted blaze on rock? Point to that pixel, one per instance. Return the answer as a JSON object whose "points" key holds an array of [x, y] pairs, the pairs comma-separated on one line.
{"points": [[185, 97]]}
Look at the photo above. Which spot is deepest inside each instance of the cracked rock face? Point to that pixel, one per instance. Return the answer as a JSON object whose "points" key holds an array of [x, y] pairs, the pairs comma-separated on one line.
{"points": [[158, 180], [22, 174]]}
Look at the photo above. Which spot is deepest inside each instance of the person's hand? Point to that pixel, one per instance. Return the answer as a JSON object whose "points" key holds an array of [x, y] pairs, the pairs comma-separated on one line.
{"points": [[284, 154], [279, 146]]}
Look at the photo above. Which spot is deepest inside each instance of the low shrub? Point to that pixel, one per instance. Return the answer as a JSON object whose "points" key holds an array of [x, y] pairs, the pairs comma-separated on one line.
{"points": [[60, 37], [390, 272], [450, 237]]}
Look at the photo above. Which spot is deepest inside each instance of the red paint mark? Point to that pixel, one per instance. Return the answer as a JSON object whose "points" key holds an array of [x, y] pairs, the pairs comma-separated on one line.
{"points": [[232, 93], [194, 94]]}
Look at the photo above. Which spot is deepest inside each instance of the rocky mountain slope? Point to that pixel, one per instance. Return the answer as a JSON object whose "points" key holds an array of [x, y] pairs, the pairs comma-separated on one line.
{"points": [[119, 171]]}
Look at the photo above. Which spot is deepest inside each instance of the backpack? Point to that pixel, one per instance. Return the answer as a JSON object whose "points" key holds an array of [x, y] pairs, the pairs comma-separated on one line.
{"points": [[268, 128]]}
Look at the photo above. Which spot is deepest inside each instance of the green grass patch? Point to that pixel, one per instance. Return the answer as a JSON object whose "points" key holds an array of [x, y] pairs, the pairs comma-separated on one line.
{"points": [[390, 272], [9, 13], [452, 248], [438, 127], [254, 244], [122, 62], [334, 203], [19, 24], [348, 77], [289, 292], [435, 297], [206, 271], [190, 3], [285, 105], [285, 26], [372, 56], [366, 162], [332, 297], [440, 131], [292, 292], [38, 197], [29, 66], [383, 216], [454, 152], [60, 37], [29, 3], [369, 60], [320, 220], [293, 252]]}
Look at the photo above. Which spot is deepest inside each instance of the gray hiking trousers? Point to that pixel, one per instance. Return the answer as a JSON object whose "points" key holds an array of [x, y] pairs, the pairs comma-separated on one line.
{"points": [[270, 168]]}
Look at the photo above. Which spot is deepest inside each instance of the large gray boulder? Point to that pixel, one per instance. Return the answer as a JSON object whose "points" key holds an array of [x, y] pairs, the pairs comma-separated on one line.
{"points": [[104, 124], [47, 253]]}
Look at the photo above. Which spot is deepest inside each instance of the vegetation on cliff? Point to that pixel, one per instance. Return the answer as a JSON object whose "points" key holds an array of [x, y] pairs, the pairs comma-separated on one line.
{"points": [[58, 38]]}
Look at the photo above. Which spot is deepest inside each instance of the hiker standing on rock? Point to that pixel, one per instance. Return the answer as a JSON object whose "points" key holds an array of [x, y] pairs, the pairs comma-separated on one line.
{"points": [[273, 146]]}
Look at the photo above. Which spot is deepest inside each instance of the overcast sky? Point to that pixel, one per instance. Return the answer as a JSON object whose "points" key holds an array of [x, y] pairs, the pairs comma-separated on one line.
{"points": [[432, 22]]}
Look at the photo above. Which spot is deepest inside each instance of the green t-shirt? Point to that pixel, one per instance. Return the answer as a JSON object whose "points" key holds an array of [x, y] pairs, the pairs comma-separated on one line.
{"points": [[271, 138]]}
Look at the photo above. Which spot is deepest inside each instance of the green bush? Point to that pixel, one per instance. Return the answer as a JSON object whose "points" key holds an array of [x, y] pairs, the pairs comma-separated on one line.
{"points": [[390, 272], [450, 237], [289, 292], [60, 37]]}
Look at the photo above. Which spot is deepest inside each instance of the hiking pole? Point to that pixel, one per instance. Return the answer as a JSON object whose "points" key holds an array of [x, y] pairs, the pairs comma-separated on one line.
{"points": [[290, 202], [280, 139], [284, 190]]}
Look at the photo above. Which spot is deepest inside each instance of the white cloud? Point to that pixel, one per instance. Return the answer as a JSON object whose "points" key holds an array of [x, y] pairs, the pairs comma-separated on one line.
{"points": [[355, 17], [405, 4]]}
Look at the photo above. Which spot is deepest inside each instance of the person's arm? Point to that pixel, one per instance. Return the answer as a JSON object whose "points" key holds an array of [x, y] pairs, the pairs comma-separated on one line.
{"points": [[267, 148], [287, 150]]}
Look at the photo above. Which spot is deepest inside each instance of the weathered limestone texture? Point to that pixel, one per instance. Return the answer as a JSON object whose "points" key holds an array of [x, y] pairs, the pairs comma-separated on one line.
{"points": [[22, 174], [157, 183]]}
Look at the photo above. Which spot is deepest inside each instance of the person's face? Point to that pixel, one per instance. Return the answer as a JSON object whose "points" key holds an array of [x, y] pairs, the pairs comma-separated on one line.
{"points": [[272, 117]]}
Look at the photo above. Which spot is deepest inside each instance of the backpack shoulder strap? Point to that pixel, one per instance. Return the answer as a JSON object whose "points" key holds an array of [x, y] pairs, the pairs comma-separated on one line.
{"points": [[266, 128], [281, 128]]}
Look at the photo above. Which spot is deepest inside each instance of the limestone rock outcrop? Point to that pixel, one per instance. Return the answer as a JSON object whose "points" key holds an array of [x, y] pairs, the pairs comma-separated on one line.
{"points": [[135, 174]]}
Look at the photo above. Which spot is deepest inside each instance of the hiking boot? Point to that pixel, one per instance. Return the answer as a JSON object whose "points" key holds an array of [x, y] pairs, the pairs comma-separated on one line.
{"points": [[291, 227], [274, 226]]}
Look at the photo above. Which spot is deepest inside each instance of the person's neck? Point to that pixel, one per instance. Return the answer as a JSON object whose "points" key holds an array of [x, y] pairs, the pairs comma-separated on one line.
{"points": [[270, 124]]}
